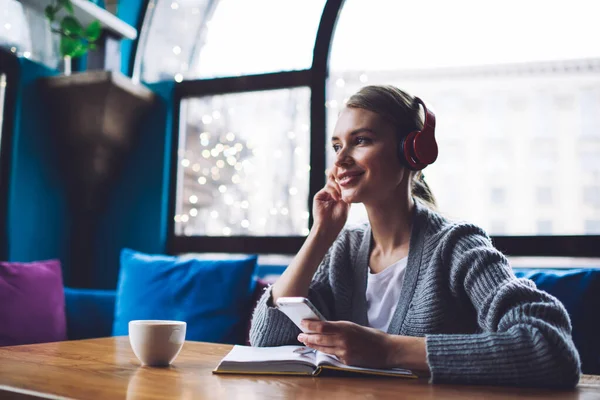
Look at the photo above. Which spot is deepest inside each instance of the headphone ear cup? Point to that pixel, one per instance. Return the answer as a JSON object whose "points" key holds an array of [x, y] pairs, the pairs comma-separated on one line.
{"points": [[408, 154]]}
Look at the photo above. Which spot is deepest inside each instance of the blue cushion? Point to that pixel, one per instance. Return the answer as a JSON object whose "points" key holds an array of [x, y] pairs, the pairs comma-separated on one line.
{"points": [[579, 291], [212, 296], [89, 312]]}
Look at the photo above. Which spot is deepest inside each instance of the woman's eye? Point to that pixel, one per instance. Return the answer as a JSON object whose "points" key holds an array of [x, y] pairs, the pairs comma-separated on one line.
{"points": [[362, 140], [336, 147]]}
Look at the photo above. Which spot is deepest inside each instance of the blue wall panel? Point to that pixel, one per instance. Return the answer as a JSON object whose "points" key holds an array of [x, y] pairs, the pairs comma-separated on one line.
{"points": [[136, 216], [38, 219]]}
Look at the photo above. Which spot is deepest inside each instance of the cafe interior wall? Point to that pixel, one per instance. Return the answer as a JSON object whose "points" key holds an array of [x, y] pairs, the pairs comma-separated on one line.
{"points": [[38, 214]]}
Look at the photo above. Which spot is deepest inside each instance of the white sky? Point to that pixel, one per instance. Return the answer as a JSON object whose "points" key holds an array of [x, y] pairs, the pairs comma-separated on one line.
{"points": [[397, 34]]}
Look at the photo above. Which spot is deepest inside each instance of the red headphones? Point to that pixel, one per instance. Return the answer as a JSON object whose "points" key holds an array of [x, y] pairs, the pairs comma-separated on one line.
{"points": [[418, 149]]}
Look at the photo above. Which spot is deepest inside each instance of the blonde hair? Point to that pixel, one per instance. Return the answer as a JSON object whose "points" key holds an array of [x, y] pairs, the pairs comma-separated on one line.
{"points": [[404, 113]]}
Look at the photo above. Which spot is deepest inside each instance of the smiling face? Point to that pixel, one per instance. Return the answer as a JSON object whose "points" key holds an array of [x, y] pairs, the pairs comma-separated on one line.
{"points": [[367, 167]]}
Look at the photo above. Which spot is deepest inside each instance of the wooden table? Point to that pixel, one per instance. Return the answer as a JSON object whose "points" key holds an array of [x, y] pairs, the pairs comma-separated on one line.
{"points": [[107, 369]]}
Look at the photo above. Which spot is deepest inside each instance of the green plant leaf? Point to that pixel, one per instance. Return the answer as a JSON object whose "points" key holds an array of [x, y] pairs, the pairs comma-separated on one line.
{"points": [[67, 5], [71, 26], [93, 31], [92, 46], [80, 51], [50, 13], [69, 46]]}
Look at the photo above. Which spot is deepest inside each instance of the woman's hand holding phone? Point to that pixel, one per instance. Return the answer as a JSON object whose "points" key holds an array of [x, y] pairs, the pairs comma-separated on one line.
{"points": [[329, 210]]}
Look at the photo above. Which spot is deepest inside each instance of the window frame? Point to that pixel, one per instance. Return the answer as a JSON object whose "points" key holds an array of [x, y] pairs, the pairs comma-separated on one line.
{"points": [[10, 68], [316, 79]]}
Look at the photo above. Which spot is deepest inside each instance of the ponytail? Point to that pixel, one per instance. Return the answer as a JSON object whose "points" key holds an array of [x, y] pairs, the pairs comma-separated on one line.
{"points": [[420, 190]]}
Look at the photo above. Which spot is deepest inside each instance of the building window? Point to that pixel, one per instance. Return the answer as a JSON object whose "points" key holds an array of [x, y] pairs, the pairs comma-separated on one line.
{"points": [[591, 196], [592, 227], [497, 227], [498, 196], [543, 196], [544, 227], [244, 164]]}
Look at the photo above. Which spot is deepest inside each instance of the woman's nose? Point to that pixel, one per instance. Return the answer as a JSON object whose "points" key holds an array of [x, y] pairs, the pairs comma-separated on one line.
{"points": [[342, 157]]}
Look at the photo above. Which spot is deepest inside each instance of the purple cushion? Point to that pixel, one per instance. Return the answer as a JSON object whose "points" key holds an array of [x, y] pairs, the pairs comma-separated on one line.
{"points": [[32, 303]]}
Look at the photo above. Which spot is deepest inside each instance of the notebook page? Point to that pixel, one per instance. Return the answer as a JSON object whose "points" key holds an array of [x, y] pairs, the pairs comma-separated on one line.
{"points": [[248, 354], [326, 359]]}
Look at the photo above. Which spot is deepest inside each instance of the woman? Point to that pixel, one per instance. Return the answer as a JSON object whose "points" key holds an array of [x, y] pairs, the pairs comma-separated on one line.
{"points": [[409, 288]]}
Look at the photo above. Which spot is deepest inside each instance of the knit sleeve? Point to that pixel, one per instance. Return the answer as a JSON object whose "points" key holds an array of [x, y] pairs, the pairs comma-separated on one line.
{"points": [[271, 327], [525, 337]]}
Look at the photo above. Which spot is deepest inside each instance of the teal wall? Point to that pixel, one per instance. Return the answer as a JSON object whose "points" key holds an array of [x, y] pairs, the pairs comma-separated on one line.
{"points": [[37, 210], [38, 214], [138, 207], [132, 12]]}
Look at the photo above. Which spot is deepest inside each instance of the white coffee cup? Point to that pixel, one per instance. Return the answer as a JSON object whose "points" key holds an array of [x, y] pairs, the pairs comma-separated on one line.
{"points": [[156, 342]]}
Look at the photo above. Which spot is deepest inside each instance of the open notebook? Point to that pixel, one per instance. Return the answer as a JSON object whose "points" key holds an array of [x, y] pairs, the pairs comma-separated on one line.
{"points": [[283, 360]]}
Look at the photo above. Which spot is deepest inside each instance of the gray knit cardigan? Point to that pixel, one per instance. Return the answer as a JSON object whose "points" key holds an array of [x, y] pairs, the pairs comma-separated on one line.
{"points": [[481, 324]]}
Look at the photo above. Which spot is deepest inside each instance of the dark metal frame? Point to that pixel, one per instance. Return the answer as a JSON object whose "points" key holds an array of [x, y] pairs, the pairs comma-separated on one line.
{"points": [[9, 66], [316, 78]]}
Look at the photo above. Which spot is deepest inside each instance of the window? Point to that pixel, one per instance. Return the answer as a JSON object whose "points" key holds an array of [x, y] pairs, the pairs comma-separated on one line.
{"points": [[244, 164], [534, 87], [509, 107], [188, 39], [20, 25]]}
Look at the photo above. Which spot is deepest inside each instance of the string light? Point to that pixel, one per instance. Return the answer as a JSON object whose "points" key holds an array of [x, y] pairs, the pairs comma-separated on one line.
{"points": [[363, 78], [193, 199], [202, 180], [221, 164], [185, 162], [206, 119], [216, 114], [236, 179], [222, 188], [207, 154], [178, 78], [194, 212], [340, 83], [185, 218], [245, 223], [196, 167], [176, 50], [227, 231], [230, 136], [177, 218], [293, 191], [174, 6]]}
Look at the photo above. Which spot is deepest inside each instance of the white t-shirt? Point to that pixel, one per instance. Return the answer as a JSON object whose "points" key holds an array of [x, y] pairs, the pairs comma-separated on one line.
{"points": [[383, 293]]}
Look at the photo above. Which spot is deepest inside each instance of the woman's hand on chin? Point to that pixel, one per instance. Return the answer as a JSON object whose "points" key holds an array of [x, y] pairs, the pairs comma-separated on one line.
{"points": [[329, 210]]}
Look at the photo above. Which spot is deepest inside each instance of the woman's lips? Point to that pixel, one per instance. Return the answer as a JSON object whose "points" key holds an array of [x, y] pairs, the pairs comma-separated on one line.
{"points": [[349, 180]]}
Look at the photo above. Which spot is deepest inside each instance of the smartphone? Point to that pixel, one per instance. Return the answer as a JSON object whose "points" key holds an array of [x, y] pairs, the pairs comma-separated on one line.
{"points": [[297, 309]]}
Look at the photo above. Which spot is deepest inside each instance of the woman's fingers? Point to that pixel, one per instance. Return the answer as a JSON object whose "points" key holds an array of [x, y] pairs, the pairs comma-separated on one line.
{"points": [[316, 339]]}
